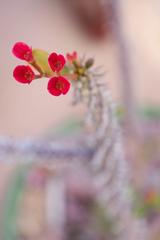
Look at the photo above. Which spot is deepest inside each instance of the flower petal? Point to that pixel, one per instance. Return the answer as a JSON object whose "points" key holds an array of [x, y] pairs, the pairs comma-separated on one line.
{"points": [[56, 62], [58, 85], [23, 74], [22, 51]]}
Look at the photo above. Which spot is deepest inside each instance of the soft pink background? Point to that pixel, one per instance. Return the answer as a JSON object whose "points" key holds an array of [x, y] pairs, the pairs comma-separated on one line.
{"points": [[30, 110]]}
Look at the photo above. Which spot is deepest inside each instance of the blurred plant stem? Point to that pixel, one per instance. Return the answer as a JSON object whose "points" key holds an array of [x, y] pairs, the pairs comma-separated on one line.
{"points": [[125, 67]]}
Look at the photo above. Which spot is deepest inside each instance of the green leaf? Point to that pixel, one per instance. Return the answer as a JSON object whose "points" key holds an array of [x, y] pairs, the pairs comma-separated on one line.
{"points": [[41, 59], [65, 71]]}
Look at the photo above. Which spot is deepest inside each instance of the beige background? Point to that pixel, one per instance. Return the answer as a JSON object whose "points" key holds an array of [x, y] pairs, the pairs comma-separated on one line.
{"points": [[30, 110]]}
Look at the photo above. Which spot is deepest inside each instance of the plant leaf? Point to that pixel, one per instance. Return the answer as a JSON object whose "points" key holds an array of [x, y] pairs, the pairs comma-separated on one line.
{"points": [[41, 59]]}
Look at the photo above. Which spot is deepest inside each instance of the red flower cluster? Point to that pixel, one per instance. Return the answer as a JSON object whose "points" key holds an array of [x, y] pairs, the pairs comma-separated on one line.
{"points": [[57, 84]]}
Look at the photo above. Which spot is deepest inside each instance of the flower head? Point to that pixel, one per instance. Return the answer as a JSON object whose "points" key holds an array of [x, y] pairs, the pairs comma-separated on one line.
{"points": [[56, 62], [23, 51], [23, 74], [72, 57], [58, 85]]}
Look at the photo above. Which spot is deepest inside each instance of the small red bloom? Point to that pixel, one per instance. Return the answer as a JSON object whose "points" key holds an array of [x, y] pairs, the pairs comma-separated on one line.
{"points": [[56, 62], [23, 74], [72, 57], [58, 85], [23, 51]]}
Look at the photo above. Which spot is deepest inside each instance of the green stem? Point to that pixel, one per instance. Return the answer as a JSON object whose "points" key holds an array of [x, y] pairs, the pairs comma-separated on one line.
{"points": [[34, 64]]}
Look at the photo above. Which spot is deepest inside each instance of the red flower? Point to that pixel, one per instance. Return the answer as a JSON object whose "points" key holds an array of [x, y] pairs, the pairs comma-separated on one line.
{"points": [[72, 57], [23, 51], [58, 85], [23, 74], [56, 62]]}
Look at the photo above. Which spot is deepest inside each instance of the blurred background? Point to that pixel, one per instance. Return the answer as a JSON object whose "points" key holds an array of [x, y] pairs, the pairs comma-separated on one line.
{"points": [[125, 40]]}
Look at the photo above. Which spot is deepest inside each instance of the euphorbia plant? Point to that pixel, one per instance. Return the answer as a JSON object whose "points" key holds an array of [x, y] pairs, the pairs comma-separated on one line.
{"points": [[99, 150], [59, 69]]}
